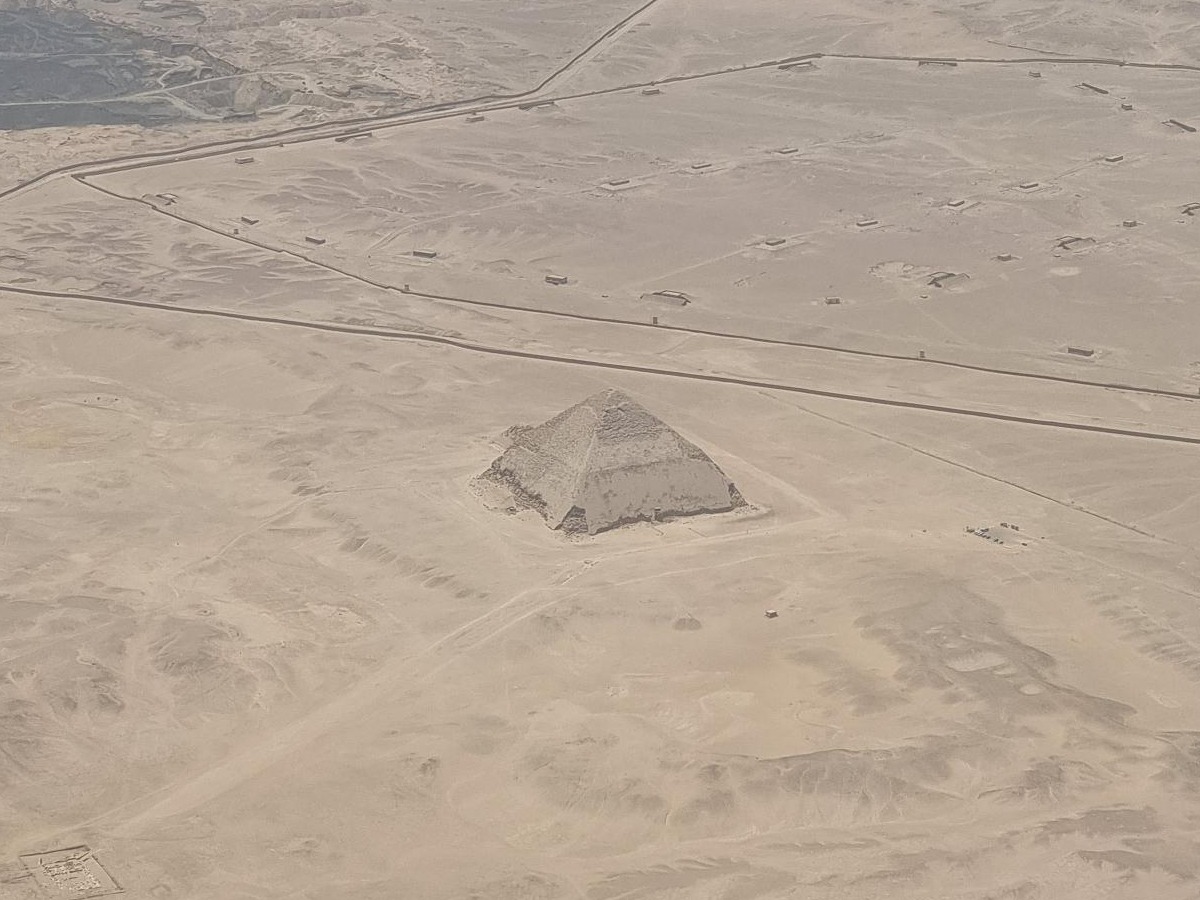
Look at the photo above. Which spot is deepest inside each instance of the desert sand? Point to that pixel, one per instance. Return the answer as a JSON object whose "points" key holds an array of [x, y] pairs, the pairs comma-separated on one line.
{"points": [[913, 284]]}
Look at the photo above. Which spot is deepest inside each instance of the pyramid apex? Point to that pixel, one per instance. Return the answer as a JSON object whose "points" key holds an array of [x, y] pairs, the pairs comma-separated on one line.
{"points": [[609, 397]]}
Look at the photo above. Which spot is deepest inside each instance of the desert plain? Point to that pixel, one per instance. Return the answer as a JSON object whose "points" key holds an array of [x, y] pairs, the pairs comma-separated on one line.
{"points": [[276, 283]]}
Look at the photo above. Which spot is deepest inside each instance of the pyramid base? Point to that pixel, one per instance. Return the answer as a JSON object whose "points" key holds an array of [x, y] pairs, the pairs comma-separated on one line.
{"points": [[501, 490]]}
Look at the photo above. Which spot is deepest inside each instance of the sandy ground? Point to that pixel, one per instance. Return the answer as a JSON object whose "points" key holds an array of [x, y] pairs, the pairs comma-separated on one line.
{"points": [[260, 637], [528, 193]]}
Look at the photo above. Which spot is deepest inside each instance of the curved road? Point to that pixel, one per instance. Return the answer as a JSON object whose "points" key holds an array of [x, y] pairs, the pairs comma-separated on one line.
{"points": [[488, 102], [340, 127]]}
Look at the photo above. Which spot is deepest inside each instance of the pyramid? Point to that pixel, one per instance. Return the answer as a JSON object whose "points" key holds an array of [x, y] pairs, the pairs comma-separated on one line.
{"points": [[608, 461]]}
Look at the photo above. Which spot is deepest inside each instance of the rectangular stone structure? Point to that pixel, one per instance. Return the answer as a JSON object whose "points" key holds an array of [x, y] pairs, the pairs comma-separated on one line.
{"points": [[72, 873]]}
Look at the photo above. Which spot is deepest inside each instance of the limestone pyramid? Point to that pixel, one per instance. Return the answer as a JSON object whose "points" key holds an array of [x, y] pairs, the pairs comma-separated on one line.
{"points": [[608, 461]]}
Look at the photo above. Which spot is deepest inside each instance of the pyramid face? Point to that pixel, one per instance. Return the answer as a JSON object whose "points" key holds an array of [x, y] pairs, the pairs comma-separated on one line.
{"points": [[608, 461]]}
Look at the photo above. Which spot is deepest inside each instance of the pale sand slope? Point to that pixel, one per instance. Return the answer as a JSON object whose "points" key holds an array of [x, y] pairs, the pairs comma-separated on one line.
{"points": [[259, 638], [677, 38], [896, 173], [271, 641], [67, 237]]}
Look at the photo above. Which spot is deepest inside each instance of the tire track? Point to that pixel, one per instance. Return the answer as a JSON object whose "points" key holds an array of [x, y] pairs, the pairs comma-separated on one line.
{"points": [[635, 323], [491, 102], [339, 127], [226, 774], [584, 362]]}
